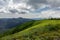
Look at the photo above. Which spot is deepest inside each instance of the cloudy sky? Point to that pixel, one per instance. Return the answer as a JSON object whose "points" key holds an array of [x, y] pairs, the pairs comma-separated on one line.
{"points": [[30, 8]]}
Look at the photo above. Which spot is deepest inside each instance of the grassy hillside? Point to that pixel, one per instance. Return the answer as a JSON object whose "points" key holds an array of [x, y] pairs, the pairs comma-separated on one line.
{"points": [[21, 27], [36, 30]]}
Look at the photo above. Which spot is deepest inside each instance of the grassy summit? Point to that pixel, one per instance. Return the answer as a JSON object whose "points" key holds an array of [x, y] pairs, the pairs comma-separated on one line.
{"points": [[35, 30]]}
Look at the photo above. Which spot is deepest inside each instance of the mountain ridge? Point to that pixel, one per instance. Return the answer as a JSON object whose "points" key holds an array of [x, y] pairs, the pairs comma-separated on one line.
{"points": [[45, 28], [7, 23]]}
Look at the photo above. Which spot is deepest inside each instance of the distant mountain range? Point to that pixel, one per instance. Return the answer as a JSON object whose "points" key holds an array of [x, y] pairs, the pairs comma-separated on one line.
{"points": [[7, 23]]}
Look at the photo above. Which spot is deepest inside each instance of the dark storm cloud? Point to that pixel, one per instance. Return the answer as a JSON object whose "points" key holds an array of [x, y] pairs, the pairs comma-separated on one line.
{"points": [[16, 1], [3, 2], [22, 12], [36, 3], [13, 10], [16, 11], [52, 3]]}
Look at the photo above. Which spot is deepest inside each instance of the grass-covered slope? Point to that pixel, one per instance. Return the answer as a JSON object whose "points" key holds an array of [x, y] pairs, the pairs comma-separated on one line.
{"points": [[38, 30], [21, 27]]}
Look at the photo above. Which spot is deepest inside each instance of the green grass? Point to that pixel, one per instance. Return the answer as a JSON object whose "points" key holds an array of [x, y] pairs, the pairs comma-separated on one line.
{"points": [[36, 30], [21, 27]]}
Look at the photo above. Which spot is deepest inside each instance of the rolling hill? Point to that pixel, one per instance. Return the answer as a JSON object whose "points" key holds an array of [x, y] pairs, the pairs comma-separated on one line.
{"points": [[35, 30]]}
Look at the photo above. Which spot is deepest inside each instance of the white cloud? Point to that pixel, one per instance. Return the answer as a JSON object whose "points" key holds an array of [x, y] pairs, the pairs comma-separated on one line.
{"points": [[43, 14], [50, 14], [24, 8]]}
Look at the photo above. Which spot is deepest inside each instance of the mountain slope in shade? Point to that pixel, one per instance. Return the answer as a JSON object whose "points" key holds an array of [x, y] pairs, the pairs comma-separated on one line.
{"points": [[43, 30], [7, 23]]}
